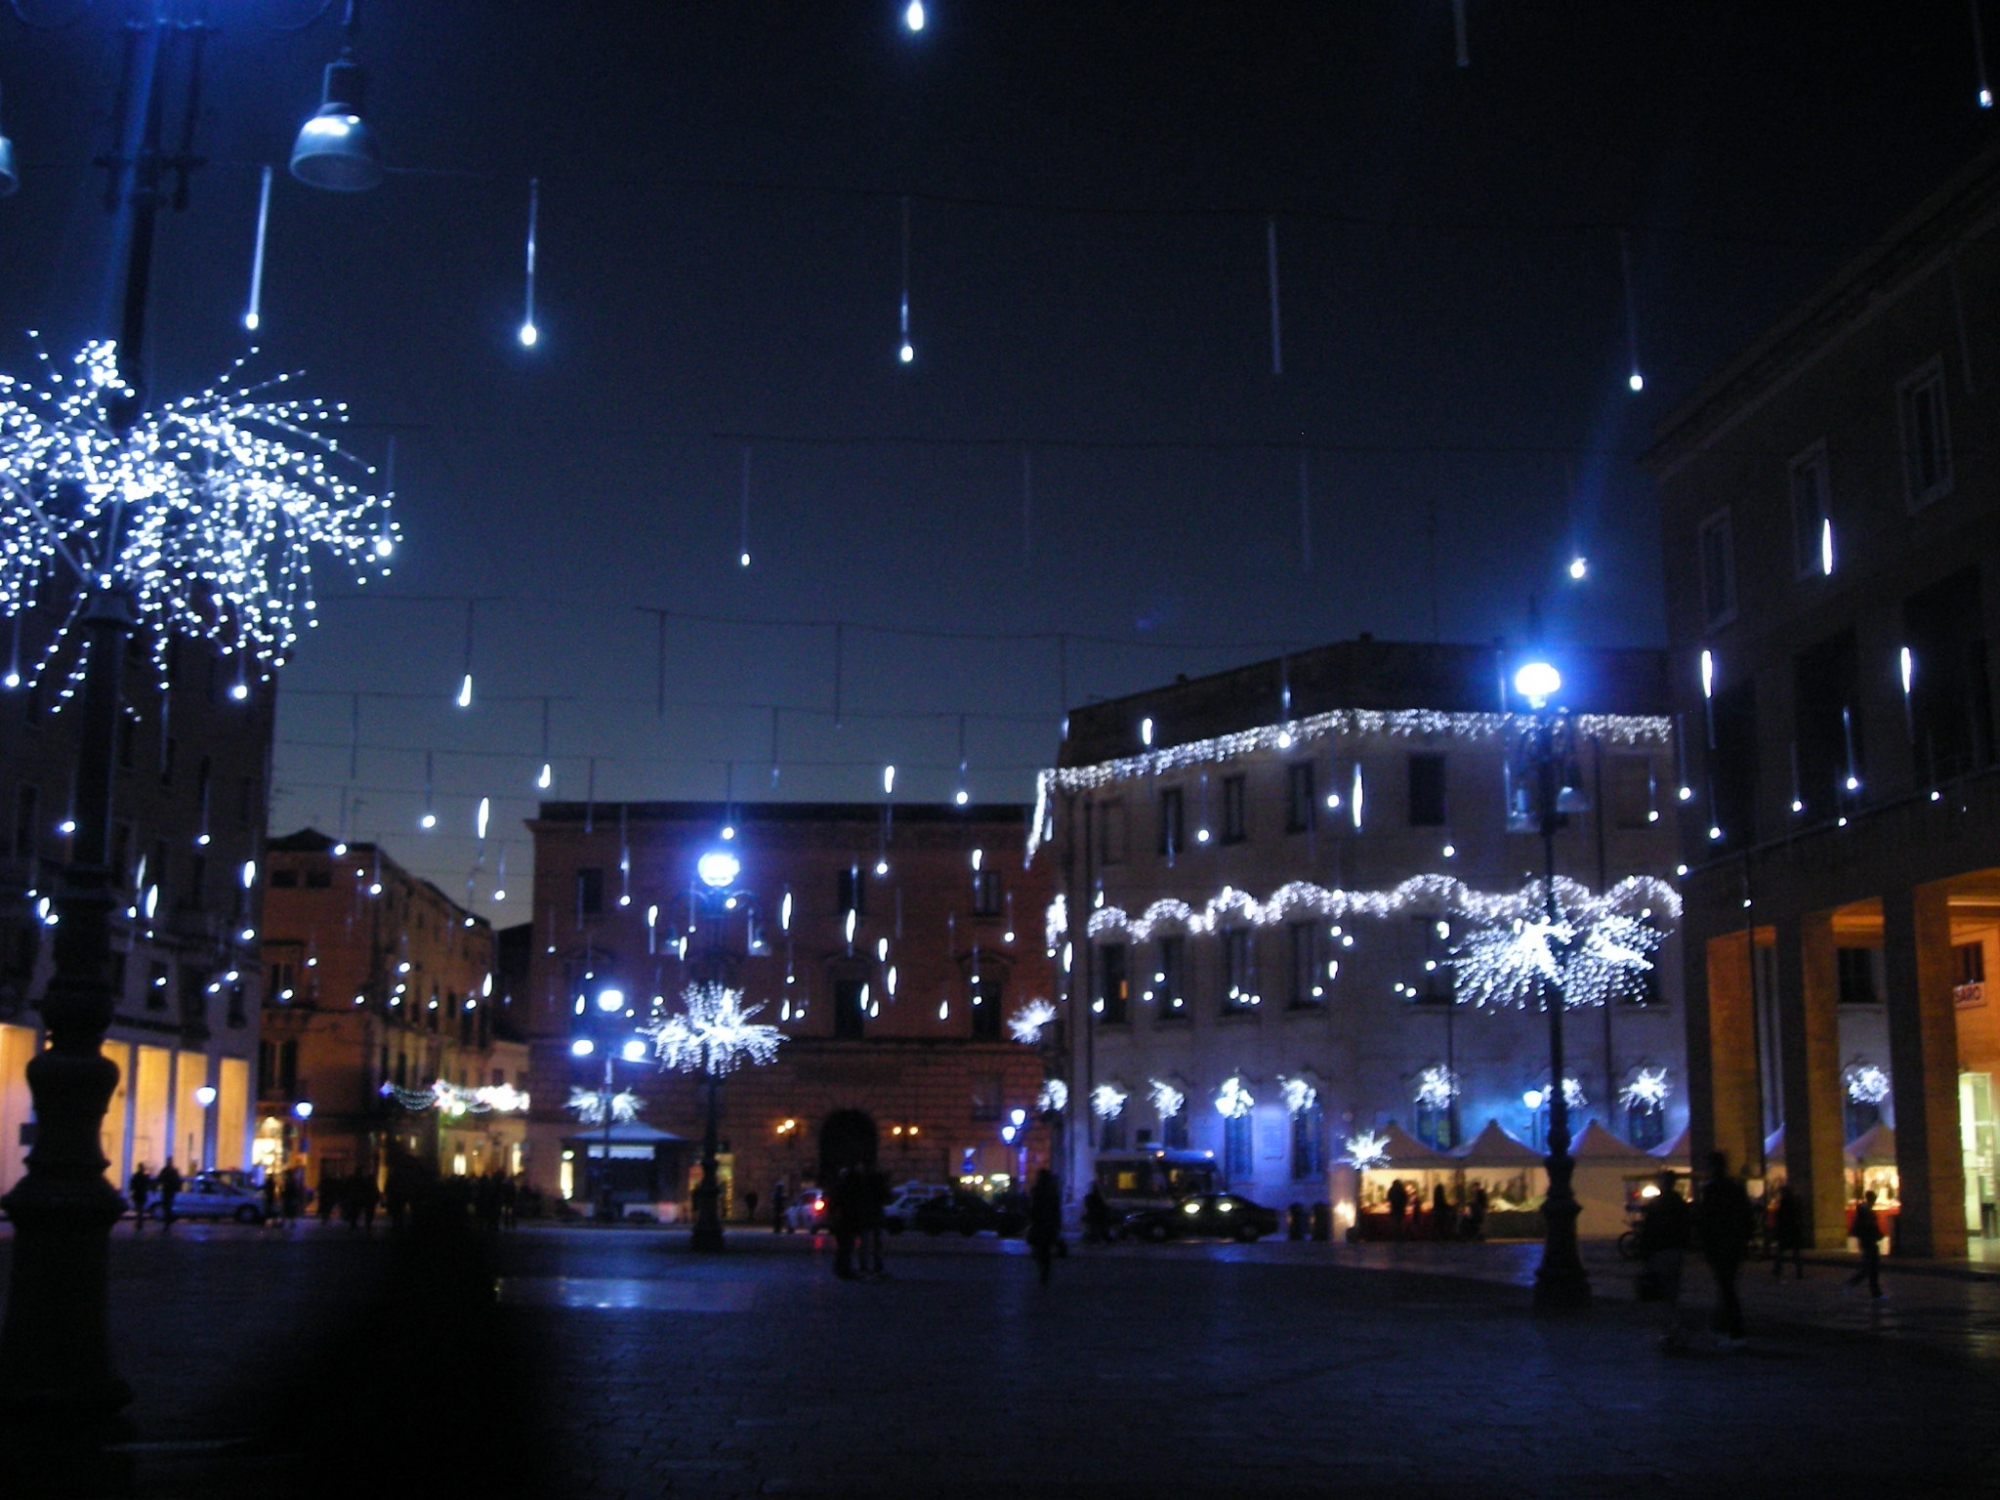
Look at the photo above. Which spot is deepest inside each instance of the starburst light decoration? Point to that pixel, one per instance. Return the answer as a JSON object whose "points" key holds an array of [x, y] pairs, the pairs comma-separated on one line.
{"points": [[1647, 1091], [1054, 1097], [1299, 1095], [205, 512], [1866, 1083], [1029, 1022], [589, 1106], [455, 1099], [1107, 1101], [1367, 1150], [1168, 1100], [1233, 1100], [1592, 957], [713, 1033], [1436, 1087]]}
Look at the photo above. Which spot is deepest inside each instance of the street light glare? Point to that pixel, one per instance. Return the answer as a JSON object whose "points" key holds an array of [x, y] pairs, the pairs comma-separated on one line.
{"points": [[1538, 682], [583, 1046], [1578, 568], [635, 1050], [610, 999], [913, 17], [718, 869]]}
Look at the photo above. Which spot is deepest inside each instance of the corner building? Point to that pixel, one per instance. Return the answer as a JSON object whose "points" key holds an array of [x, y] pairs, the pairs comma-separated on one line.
{"points": [[1828, 504], [890, 943], [1265, 874]]}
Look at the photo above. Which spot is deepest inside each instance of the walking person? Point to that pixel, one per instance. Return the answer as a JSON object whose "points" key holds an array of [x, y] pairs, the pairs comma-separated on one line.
{"points": [[1788, 1233], [139, 1189], [269, 1189], [1666, 1231], [1441, 1219], [750, 1207], [1867, 1232], [1724, 1223], [843, 1211], [1097, 1218], [168, 1185], [1399, 1206], [1045, 1222]]}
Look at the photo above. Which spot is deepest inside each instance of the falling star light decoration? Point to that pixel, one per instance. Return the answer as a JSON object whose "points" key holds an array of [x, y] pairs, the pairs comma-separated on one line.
{"points": [[1502, 966], [1234, 1099], [1366, 1151], [1635, 381], [1107, 1101], [589, 1106], [1028, 1023], [253, 313], [713, 1034], [1053, 1098], [1298, 1095], [1436, 1087], [905, 350], [530, 333], [1647, 1091], [205, 512], [1866, 1083], [1985, 96], [1167, 1099]]}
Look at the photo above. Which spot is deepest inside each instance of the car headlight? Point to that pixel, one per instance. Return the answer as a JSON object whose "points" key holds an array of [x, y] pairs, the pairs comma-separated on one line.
{"points": [[1190, 1208], [1226, 1207]]}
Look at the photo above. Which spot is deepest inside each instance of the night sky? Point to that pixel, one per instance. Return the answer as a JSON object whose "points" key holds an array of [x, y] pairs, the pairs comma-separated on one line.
{"points": [[1089, 190]]}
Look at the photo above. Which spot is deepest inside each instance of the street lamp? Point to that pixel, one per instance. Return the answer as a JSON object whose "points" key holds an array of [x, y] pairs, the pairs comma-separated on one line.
{"points": [[161, 523], [1546, 758]]}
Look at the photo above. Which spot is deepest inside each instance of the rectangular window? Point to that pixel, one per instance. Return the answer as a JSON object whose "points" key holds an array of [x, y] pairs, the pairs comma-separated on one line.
{"points": [[1717, 545], [590, 892], [1634, 791], [987, 999], [284, 880], [1308, 969], [1239, 983], [987, 898], [1969, 962], [1436, 986], [1733, 767], [1809, 491], [1308, 1142], [852, 895], [850, 999], [989, 1095], [1926, 437], [128, 735], [1111, 832], [121, 855], [319, 877], [1111, 1133], [1951, 696], [1235, 822], [194, 996], [1301, 799], [1170, 981], [1427, 799], [1857, 975], [1174, 1131], [1645, 1128], [197, 881], [1237, 1168], [1114, 985], [239, 1014], [1171, 840], [1826, 701], [1437, 1125], [27, 821]]}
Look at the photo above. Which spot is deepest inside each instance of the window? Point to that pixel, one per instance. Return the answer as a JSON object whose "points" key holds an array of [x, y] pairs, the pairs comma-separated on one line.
{"points": [[1826, 694], [1237, 1167], [1733, 766], [1427, 806], [1969, 962], [1308, 1136], [987, 1001], [986, 895], [282, 980], [1926, 438], [121, 855], [1858, 977], [1951, 697], [239, 1015], [197, 881], [1170, 822], [284, 880], [1301, 799], [1717, 545], [989, 1093], [1111, 832], [1862, 1116], [1646, 1128], [590, 892], [1174, 1131], [1809, 490], [128, 732], [850, 997], [1437, 1125], [156, 867], [1634, 791], [1239, 983], [1111, 1133], [194, 996], [319, 877], [1114, 988], [27, 821], [1308, 972], [1436, 986], [1234, 821], [1171, 980], [852, 895]]}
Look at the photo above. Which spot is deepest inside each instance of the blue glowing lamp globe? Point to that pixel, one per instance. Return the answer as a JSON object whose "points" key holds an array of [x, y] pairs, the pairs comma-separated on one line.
{"points": [[718, 869], [1538, 682]]}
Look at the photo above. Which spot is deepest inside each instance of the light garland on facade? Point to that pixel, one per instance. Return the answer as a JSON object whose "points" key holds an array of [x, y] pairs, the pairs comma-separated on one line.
{"points": [[1866, 1083], [1233, 1100], [1347, 724], [1647, 1091], [713, 1034], [206, 512], [1028, 1023], [1299, 1096], [1436, 1087], [589, 1106], [1299, 899], [1107, 1101], [1054, 1097], [456, 1099], [1591, 960], [1168, 1101], [1367, 1150]]}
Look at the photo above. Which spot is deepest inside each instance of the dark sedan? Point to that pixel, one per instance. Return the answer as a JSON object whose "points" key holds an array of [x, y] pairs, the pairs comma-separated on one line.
{"points": [[1215, 1216], [968, 1214]]}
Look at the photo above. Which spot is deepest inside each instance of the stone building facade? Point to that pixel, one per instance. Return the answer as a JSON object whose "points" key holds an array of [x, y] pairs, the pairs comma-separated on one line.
{"points": [[189, 801], [1832, 536], [1266, 875], [383, 1026], [890, 943]]}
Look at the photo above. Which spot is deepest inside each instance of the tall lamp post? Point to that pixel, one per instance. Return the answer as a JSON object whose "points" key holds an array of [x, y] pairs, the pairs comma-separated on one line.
{"points": [[610, 1011], [1546, 752], [90, 484]]}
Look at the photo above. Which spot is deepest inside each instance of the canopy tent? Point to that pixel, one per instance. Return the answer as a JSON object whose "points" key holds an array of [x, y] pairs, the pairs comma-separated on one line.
{"points": [[1874, 1147], [1600, 1147], [1493, 1147], [1404, 1152], [1679, 1151]]}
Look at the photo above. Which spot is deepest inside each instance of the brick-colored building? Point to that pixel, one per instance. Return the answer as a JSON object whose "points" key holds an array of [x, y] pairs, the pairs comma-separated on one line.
{"points": [[1830, 508], [188, 820], [382, 1019], [889, 945]]}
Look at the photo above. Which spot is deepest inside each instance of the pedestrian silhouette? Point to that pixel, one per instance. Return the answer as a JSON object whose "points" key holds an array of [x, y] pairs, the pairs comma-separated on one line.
{"points": [[168, 1185], [140, 1188], [1399, 1206], [1045, 1222], [1867, 1232], [1666, 1231], [1441, 1221], [778, 1201], [1788, 1233], [1724, 1224], [844, 1211]]}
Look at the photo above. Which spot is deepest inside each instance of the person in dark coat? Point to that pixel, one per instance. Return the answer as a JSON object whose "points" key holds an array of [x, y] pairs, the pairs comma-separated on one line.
{"points": [[779, 1198], [1475, 1212], [1867, 1232], [844, 1212], [875, 1197], [168, 1185], [365, 1195], [1724, 1223], [1399, 1206], [1044, 1221], [1666, 1233], [292, 1195], [1442, 1223], [139, 1189], [1788, 1233]]}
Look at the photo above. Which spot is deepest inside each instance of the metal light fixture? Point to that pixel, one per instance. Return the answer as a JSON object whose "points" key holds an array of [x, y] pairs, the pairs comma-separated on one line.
{"points": [[335, 149]]}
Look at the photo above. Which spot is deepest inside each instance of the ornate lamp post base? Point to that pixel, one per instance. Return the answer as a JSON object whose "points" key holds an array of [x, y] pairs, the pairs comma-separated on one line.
{"points": [[1561, 1284], [708, 1192]]}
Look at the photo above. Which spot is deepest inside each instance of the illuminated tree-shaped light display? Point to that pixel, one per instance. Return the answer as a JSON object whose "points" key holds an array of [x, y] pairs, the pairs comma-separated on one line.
{"points": [[1167, 1099], [713, 1034], [589, 1106], [1367, 1150], [1298, 1094], [204, 514], [1054, 1097], [1590, 954], [1107, 1101], [1866, 1083], [1647, 1091], [1234, 1100], [1436, 1087], [1028, 1023]]}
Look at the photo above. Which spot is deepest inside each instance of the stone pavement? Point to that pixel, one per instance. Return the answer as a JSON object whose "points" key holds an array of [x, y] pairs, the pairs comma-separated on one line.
{"points": [[615, 1363]]}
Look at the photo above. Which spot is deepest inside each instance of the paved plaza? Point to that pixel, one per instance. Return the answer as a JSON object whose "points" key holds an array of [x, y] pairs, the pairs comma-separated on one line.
{"points": [[588, 1362]]}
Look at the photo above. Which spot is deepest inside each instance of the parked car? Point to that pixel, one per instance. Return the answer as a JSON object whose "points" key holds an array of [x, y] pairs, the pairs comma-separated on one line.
{"points": [[807, 1211], [961, 1212], [214, 1195], [1226, 1216], [907, 1199]]}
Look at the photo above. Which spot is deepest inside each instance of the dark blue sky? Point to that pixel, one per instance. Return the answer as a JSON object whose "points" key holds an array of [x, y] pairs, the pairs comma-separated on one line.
{"points": [[1090, 185]]}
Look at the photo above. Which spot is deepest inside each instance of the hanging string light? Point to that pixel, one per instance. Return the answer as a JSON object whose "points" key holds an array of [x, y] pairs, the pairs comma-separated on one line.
{"points": [[464, 698], [961, 796], [1305, 520], [548, 777], [1271, 269], [429, 819], [913, 16], [1979, 56], [253, 314], [1635, 380], [529, 332], [500, 874], [743, 538], [907, 351], [485, 811]]}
